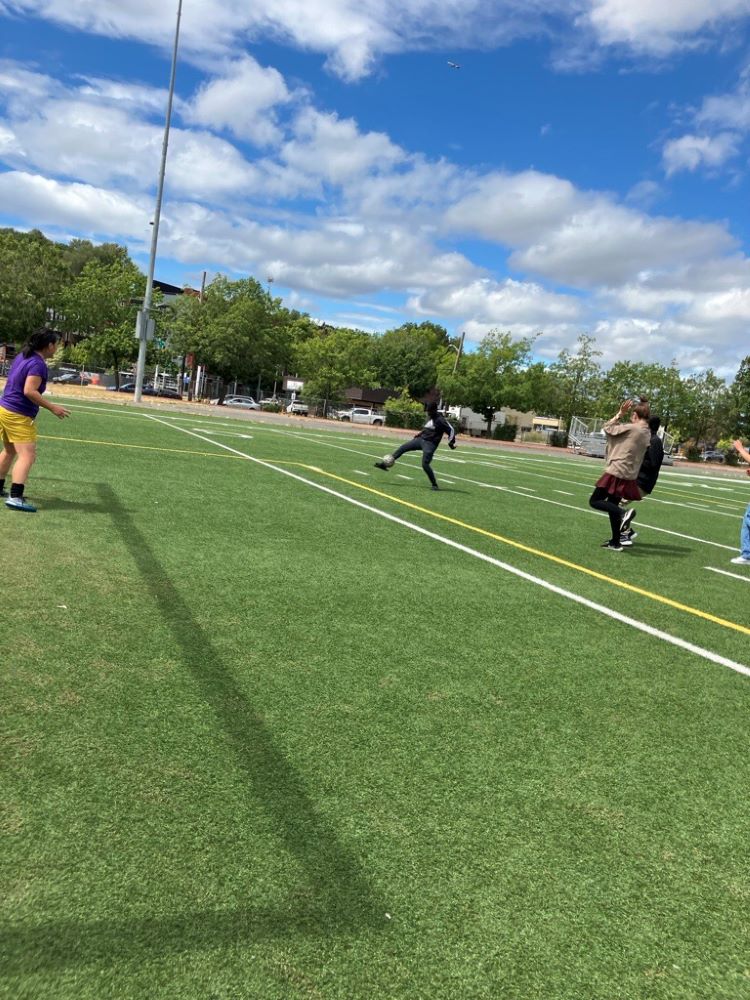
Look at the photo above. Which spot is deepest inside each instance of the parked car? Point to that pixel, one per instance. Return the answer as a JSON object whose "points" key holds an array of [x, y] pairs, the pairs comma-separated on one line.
{"points": [[72, 378], [124, 387], [361, 415], [713, 456], [297, 406], [271, 401], [244, 402]]}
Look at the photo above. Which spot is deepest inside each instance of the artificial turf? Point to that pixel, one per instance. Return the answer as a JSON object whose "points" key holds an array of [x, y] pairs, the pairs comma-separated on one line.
{"points": [[259, 742]]}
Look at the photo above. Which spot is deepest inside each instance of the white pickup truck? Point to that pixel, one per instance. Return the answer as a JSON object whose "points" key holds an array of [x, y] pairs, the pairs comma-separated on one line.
{"points": [[362, 415]]}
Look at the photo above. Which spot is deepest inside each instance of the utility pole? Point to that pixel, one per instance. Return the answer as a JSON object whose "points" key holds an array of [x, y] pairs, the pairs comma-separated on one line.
{"points": [[144, 324], [458, 353]]}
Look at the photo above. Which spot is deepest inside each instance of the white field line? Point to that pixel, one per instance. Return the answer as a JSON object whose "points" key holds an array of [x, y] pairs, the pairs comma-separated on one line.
{"points": [[724, 572], [673, 640], [361, 473], [399, 476], [565, 493], [237, 434], [527, 488], [448, 482]]}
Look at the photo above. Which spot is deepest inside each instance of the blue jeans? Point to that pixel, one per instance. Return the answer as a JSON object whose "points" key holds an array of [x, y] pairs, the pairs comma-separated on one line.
{"points": [[745, 534]]}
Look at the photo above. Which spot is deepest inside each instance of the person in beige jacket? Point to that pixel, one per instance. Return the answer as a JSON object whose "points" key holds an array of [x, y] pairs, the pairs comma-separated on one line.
{"points": [[626, 446]]}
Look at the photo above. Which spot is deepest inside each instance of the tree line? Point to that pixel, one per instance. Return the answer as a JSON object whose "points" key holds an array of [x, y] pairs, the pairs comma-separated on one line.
{"points": [[241, 332]]}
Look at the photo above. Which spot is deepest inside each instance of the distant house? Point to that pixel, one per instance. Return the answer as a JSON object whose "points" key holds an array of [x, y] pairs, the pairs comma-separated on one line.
{"points": [[368, 397]]}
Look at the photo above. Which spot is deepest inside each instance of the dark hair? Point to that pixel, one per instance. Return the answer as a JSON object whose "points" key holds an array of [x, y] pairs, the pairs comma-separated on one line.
{"points": [[654, 424], [38, 340], [432, 409], [642, 409]]}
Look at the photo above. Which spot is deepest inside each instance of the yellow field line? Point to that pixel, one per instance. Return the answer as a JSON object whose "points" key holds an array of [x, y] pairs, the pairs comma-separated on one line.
{"points": [[141, 447], [536, 552]]}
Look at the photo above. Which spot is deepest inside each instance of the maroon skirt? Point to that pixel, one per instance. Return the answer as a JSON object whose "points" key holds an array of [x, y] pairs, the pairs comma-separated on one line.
{"points": [[624, 489]]}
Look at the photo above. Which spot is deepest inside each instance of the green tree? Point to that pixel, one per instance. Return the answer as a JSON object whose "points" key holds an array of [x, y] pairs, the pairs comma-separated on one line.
{"points": [[334, 358], [239, 332], [33, 277], [740, 400], [578, 376], [408, 357], [491, 377], [101, 304], [705, 409], [661, 385]]}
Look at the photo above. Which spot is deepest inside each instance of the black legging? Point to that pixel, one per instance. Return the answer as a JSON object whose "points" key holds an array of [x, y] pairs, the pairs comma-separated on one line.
{"points": [[428, 450], [610, 504]]}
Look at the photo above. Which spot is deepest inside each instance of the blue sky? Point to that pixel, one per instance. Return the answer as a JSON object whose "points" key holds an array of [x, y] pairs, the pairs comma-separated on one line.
{"points": [[585, 170]]}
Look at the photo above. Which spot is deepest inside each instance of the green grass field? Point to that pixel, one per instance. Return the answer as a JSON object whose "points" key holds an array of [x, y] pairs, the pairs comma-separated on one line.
{"points": [[278, 725]]}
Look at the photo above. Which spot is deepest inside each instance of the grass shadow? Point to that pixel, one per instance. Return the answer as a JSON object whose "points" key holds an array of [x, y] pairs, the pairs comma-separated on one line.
{"points": [[336, 898]]}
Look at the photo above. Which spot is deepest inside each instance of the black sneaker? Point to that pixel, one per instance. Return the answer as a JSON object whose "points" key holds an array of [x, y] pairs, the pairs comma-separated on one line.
{"points": [[434, 487], [626, 541], [627, 519], [613, 546], [381, 465], [629, 534]]}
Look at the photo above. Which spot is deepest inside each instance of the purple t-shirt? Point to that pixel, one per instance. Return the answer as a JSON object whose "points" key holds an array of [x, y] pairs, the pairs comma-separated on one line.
{"points": [[13, 398]]}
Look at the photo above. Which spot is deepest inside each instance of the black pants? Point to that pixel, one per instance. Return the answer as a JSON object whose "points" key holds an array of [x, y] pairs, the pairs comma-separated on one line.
{"points": [[427, 448], [601, 500]]}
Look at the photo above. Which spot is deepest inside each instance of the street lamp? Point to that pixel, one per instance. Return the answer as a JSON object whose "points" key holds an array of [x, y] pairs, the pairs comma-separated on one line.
{"points": [[144, 324]]}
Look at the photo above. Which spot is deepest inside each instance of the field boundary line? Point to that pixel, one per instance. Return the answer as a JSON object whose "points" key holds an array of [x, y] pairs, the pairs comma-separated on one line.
{"points": [[707, 616], [140, 447], [725, 572]]}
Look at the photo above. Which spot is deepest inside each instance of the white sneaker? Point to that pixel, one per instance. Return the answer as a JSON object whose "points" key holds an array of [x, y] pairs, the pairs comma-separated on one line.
{"points": [[740, 561]]}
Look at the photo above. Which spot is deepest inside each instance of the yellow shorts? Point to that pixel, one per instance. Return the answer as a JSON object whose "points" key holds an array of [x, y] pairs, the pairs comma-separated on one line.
{"points": [[15, 428]]}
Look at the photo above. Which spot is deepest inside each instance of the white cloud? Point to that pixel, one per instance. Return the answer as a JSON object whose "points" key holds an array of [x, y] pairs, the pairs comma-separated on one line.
{"points": [[335, 150], [660, 28], [514, 208], [505, 304], [690, 152], [81, 208], [241, 101]]}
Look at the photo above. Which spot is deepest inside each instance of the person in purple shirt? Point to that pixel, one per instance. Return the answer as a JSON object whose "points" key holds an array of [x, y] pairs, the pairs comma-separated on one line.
{"points": [[19, 406]]}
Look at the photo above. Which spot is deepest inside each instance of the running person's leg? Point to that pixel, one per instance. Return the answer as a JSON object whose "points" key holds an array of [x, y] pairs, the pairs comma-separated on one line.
{"points": [[743, 559], [601, 500], [414, 445], [7, 457], [428, 451]]}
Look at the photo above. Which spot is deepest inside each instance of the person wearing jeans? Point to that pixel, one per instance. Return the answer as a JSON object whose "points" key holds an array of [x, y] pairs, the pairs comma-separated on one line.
{"points": [[743, 559]]}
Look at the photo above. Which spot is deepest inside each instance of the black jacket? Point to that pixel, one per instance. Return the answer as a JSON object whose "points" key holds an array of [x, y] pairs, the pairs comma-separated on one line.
{"points": [[433, 431], [649, 470]]}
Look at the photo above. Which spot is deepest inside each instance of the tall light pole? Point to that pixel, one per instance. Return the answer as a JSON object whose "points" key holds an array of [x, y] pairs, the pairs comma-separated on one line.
{"points": [[459, 351], [144, 324]]}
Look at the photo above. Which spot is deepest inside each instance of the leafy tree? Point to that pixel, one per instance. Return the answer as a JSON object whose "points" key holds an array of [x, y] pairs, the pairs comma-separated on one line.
{"points": [[239, 332], [490, 377], [740, 396], [33, 277], [101, 303], [408, 356], [705, 408], [662, 386], [333, 359], [78, 253], [578, 375]]}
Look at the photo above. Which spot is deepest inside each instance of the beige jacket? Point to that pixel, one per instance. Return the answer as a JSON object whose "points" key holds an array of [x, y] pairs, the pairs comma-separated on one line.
{"points": [[626, 446]]}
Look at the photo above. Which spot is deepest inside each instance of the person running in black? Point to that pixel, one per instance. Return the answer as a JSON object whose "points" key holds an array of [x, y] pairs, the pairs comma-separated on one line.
{"points": [[426, 441], [647, 476]]}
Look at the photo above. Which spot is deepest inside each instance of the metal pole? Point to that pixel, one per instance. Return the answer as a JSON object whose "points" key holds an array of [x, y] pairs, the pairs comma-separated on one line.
{"points": [[458, 353], [146, 310]]}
